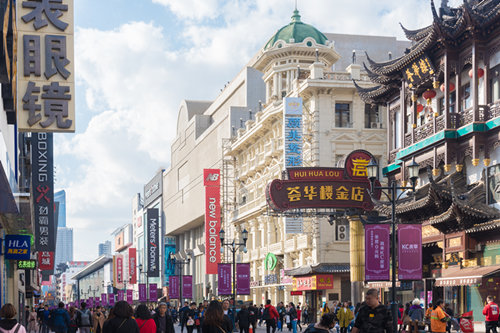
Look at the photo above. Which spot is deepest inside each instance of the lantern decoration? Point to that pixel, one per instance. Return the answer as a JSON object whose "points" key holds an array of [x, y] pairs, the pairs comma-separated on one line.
{"points": [[480, 73], [451, 87], [420, 108], [429, 94]]}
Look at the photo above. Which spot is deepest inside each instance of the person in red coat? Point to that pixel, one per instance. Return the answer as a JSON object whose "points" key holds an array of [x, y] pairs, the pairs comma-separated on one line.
{"points": [[270, 315], [144, 320], [491, 312]]}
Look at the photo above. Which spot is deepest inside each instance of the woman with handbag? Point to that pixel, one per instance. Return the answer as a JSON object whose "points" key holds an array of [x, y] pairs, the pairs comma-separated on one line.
{"points": [[144, 319], [214, 321]]}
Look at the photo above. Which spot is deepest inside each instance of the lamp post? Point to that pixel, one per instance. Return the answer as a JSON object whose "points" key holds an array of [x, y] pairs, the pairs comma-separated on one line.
{"points": [[180, 264], [233, 247], [393, 197]]}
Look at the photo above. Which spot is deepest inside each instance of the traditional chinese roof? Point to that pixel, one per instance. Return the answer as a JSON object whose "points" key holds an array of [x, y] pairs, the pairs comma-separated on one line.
{"points": [[450, 27], [323, 268], [375, 95]]}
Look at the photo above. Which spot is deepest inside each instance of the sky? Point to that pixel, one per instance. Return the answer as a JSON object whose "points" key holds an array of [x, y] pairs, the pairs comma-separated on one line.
{"points": [[136, 60]]}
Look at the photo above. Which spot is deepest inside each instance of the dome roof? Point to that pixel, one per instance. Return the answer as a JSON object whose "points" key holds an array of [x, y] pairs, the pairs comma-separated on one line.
{"points": [[298, 31]]}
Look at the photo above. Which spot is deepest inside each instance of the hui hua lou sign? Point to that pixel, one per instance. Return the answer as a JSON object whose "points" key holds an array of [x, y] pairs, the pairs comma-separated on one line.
{"points": [[324, 187]]}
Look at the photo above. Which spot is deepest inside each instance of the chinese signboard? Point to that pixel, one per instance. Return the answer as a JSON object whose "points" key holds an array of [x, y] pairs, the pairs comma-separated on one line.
{"points": [[314, 282], [143, 297], [121, 295], [118, 270], [211, 179], [324, 187], [419, 71], [132, 265], [26, 264], [42, 179], [243, 279], [130, 296], [45, 84], [153, 292], [153, 239], [46, 260], [173, 288], [17, 247], [410, 252], [111, 299], [377, 252], [104, 299], [187, 286], [224, 279]]}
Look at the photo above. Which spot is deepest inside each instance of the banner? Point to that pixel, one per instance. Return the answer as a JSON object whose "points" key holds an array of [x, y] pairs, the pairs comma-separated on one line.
{"points": [[130, 296], [46, 261], [42, 180], [410, 252], [377, 252], [153, 292], [104, 299], [132, 265], [212, 219], [187, 287], [17, 247], [153, 242], [118, 271], [224, 279], [143, 297], [90, 302], [121, 295], [243, 279], [111, 300], [169, 265], [173, 288]]}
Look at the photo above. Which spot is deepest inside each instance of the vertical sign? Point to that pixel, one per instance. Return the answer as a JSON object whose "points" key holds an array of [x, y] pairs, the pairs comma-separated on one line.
{"points": [[45, 82], [211, 179], [187, 286], [169, 265], [104, 299], [45, 260], [153, 240], [377, 256], [292, 151], [173, 288], [143, 297], [130, 296], [410, 252], [43, 188], [153, 292], [121, 295], [132, 265], [224, 279], [243, 279], [118, 271], [111, 299]]}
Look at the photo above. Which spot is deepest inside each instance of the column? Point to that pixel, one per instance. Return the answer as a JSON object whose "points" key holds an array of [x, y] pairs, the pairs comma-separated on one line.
{"points": [[474, 83], [276, 84], [446, 83], [357, 258]]}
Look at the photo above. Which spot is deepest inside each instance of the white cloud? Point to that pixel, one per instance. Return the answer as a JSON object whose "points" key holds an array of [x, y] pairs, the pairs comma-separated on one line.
{"points": [[192, 9]]}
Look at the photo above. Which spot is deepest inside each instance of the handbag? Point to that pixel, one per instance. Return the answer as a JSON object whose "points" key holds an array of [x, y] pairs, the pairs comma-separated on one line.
{"points": [[190, 322], [197, 322]]}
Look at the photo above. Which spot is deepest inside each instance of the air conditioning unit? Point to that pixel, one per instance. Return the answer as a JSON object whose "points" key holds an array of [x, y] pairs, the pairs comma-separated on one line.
{"points": [[342, 232], [380, 125], [374, 125]]}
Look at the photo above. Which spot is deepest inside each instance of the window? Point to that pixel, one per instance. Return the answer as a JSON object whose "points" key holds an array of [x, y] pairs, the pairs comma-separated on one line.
{"points": [[371, 116], [494, 84], [466, 98], [342, 115]]}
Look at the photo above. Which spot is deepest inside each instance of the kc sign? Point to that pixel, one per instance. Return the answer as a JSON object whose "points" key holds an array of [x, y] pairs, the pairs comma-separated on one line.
{"points": [[17, 247]]}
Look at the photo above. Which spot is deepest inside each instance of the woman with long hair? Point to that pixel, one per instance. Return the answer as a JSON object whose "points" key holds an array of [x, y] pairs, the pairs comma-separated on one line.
{"points": [[144, 319], [73, 327], [122, 321], [32, 322], [214, 321]]}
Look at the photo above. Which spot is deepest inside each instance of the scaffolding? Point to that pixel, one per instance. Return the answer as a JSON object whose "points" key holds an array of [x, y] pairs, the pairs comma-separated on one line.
{"points": [[228, 195]]}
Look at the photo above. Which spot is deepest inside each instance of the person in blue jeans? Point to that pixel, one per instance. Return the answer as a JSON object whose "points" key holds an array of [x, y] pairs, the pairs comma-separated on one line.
{"points": [[292, 312]]}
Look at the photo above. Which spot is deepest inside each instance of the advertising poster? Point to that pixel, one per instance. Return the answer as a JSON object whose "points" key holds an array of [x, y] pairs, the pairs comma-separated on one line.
{"points": [[187, 286], [410, 252], [153, 242], [224, 279], [173, 288], [377, 252], [243, 279]]}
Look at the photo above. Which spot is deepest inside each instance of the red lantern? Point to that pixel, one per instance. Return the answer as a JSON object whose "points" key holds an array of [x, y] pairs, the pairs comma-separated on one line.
{"points": [[420, 108], [429, 94], [480, 73], [451, 87]]}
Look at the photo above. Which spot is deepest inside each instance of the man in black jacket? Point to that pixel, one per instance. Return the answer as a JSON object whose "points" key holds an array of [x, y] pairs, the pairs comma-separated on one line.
{"points": [[373, 317], [163, 321]]}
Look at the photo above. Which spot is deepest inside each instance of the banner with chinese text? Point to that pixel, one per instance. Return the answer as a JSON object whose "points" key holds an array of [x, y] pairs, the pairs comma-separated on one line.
{"points": [[187, 286], [153, 292], [377, 252], [174, 285], [410, 252], [132, 265], [130, 296], [243, 279], [143, 297], [224, 277]]}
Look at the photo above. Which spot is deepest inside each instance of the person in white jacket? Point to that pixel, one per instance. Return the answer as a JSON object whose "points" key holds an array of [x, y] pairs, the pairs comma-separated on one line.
{"points": [[9, 324]]}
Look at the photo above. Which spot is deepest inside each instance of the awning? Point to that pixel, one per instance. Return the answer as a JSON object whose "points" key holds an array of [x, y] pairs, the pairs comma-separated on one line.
{"points": [[466, 276], [322, 268], [381, 284]]}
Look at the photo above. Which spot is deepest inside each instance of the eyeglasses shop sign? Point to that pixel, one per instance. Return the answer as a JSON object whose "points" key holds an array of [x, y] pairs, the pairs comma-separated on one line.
{"points": [[45, 80], [153, 243]]}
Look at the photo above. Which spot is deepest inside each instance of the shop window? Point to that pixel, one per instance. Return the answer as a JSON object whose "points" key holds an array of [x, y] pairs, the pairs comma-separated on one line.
{"points": [[342, 115], [494, 84], [466, 97], [372, 116]]}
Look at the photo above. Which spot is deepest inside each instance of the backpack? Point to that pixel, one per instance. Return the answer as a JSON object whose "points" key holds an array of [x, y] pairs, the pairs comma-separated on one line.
{"points": [[266, 315], [84, 318]]}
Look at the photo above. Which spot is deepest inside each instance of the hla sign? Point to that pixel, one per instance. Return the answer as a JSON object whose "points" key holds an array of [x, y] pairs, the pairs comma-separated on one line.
{"points": [[17, 247]]}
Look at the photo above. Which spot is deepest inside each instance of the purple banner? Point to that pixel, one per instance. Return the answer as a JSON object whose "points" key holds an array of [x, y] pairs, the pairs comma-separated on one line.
{"points": [[121, 295], [187, 287], [104, 300], [173, 286], [153, 292], [224, 279], [410, 252], [111, 299], [377, 252], [143, 297], [90, 302], [243, 279], [130, 296]]}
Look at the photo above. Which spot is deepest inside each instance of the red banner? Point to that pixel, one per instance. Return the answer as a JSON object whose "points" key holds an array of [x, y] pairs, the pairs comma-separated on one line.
{"points": [[314, 282], [132, 263], [118, 270], [45, 260], [212, 219]]}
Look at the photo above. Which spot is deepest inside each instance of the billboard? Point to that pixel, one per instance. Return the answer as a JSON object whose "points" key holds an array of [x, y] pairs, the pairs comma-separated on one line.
{"points": [[153, 240], [169, 264], [212, 219], [153, 189], [377, 252], [17, 247], [224, 281], [132, 265], [243, 279], [410, 252]]}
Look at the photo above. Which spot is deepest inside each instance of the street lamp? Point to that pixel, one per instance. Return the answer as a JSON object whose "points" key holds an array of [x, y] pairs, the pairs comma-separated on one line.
{"points": [[180, 264], [233, 247], [392, 195]]}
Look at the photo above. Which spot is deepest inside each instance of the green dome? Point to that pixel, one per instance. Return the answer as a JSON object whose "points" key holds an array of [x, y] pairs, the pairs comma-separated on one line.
{"points": [[298, 31]]}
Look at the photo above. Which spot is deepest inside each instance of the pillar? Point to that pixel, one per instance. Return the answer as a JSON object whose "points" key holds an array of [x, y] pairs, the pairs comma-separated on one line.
{"points": [[357, 258]]}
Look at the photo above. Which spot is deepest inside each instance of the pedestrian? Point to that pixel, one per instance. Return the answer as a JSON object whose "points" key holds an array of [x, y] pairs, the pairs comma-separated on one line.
{"points": [[73, 327], [344, 316], [214, 319], [439, 318], [198, 317], [243, 319], [270, 315], [428, 316], [261, 314], [305, 314], [9, 324], [326, 323], [373, 317], [32, 321], [190, 316], [60, 319], [121, 321], [491, 312], [163, 321], [228, 313], [417, 317], [281, 312], [299, 316], [44, 319], [84, 319], [252, 309], [449, 311], [144, 319], [98, 319], [292, 315], [183, 315]]}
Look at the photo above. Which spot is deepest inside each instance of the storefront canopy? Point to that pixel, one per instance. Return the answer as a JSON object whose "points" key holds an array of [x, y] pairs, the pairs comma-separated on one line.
{"points": [[465, 276]]}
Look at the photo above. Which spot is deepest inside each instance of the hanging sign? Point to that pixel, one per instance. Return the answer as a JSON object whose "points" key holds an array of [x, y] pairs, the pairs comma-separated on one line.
{"points": [[17, 247], [224, 279], [153, 248], [212, 219], [143, 297], [153, 292], [187, 286], [243, 279], [377, 252], [410, 252], [174, 285]]}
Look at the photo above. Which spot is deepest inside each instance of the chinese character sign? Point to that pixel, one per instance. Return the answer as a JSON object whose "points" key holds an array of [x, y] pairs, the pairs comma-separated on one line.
{"points": [[130, 296], [153, 292], [410, 252], [17, 247], [224, 277], [143, 297], [377, 252], [292, 131], [46, 260], [187, 286], [173, 289], [42, 179], [419, 71], [243, 279], [45, 81], [132, 265]]}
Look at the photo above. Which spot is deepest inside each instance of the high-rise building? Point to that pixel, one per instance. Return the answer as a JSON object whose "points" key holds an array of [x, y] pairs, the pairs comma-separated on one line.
{"points": [[64, 244], [105, 248], [60, 200]]}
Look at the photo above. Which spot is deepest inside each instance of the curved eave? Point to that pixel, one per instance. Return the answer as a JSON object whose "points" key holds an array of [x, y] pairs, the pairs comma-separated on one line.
{"points": [[380, 79], [417, 35], [374, 95]]}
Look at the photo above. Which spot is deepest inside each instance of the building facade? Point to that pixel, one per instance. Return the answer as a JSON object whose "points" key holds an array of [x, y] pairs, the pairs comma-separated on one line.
{"points": [[104, 248], [443, 102]]}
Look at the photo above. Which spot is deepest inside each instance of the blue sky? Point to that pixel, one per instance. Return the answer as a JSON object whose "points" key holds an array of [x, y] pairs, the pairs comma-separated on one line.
{"points": [[135, 62]]}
